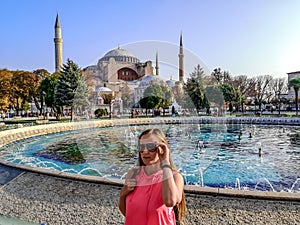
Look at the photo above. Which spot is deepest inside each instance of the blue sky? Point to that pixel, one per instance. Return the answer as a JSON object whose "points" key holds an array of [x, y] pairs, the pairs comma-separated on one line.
{"points": [[244, 37]]}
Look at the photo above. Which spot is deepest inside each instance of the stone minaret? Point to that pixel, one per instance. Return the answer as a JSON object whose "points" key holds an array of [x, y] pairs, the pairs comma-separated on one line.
{"points": [[156, 66], [181, 62], [58, 46]]}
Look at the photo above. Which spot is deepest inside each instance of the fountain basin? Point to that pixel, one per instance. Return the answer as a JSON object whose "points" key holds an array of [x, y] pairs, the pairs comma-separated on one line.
{"points": [[47, 129]]}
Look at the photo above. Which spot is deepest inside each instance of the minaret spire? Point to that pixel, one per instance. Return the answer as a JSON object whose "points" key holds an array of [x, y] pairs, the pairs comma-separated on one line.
{"points": [[58, 45], [181, 39], [181, 62], [156, 66]]}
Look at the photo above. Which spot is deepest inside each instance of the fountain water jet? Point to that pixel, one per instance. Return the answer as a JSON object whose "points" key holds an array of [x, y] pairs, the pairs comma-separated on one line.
{"points": [[294, 184], [201, 179], [267, 181], [238, 184]]}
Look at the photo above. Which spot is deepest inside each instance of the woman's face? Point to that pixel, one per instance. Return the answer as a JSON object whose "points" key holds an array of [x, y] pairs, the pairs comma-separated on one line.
{"points": [[148, 148]]}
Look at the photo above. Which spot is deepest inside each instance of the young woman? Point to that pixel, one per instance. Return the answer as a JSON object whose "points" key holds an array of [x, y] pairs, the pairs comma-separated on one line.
{"points": [[153, 192]]}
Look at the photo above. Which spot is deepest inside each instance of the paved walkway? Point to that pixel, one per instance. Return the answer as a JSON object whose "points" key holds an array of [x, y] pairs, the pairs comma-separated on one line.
{"points": [[8, 173], [53, 201]]}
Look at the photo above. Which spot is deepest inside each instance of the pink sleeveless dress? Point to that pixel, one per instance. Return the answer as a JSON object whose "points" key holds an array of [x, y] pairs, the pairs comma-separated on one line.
{"points": [[144, 206]]}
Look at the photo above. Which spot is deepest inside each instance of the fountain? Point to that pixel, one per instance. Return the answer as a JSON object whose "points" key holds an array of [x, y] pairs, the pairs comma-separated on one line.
{"points": [[109, 151], [201, 181], [264, 180], [237, 184], [200, 146], [297, 181]]}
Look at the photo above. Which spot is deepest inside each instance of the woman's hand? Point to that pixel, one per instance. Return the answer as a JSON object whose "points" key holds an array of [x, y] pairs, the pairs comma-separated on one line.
{"points": [[164, 153], [129, 186]]}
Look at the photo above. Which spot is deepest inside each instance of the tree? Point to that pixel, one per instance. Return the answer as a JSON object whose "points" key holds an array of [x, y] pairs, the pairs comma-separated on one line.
{"points": [[166, 98], [184, 100], [262, 89], [69, 87], [215, 96], [5, 88], [47, 88], [149, 102], [279, 86], [107, 98], [156, 96], [35, 92], [295, 84], [151, 99], [229, 94], [100, 112], [219, 77], [22, 83], [42, 73], [194, 87], [81, 95], [242, 85]]}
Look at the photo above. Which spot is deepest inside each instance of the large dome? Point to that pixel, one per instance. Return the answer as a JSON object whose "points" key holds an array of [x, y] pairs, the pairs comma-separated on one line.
{"points": [[120, 55]]}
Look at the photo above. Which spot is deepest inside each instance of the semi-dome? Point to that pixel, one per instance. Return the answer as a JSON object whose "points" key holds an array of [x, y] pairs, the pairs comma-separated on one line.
{"points": [[103, 89], [120, 55], [171, 83], [150, 79]]}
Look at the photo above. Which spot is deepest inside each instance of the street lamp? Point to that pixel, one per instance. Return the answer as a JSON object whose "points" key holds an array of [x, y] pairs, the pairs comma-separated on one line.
{"points": [[43, 105], [279, 102]]}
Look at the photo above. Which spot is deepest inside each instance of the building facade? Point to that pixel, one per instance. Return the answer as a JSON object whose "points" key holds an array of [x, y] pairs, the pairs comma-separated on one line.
{"points": [[119, 70]]}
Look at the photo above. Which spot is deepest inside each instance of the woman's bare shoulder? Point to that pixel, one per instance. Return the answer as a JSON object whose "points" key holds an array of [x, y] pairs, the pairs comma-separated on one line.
{"points": [[131, 173]]}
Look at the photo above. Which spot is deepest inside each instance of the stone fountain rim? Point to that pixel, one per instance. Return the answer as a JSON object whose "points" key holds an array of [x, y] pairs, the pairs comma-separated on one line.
{"points": [[9, 136]]}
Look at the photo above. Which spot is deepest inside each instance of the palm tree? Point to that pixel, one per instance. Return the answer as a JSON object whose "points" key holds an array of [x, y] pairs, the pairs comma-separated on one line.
{"points": [[295, 83]]}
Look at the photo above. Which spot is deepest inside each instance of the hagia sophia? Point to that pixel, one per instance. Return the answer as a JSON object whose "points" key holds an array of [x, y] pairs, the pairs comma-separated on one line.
{"points": [[119, 68], [121, 73]]}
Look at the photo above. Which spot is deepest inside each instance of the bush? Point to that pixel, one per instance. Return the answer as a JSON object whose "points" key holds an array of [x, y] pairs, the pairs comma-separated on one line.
{"points": [[100, 112]]}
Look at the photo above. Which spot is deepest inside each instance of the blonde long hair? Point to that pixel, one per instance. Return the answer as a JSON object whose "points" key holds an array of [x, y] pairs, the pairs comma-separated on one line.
{"points": [[161, 137]]}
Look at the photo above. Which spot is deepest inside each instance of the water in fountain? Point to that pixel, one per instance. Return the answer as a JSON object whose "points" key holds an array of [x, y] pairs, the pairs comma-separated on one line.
{"points": [[104, 152]]}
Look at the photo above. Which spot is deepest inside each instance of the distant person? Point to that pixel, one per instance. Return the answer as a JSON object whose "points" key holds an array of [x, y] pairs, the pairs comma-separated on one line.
{"points": [[153, 193]]}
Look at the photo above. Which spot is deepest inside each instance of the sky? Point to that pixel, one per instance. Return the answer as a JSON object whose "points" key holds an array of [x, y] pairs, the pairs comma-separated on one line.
{"points": [[243, 37]]}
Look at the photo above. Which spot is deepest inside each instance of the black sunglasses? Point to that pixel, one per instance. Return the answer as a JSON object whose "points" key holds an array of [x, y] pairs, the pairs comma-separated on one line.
{"points": [[151, 147]]}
